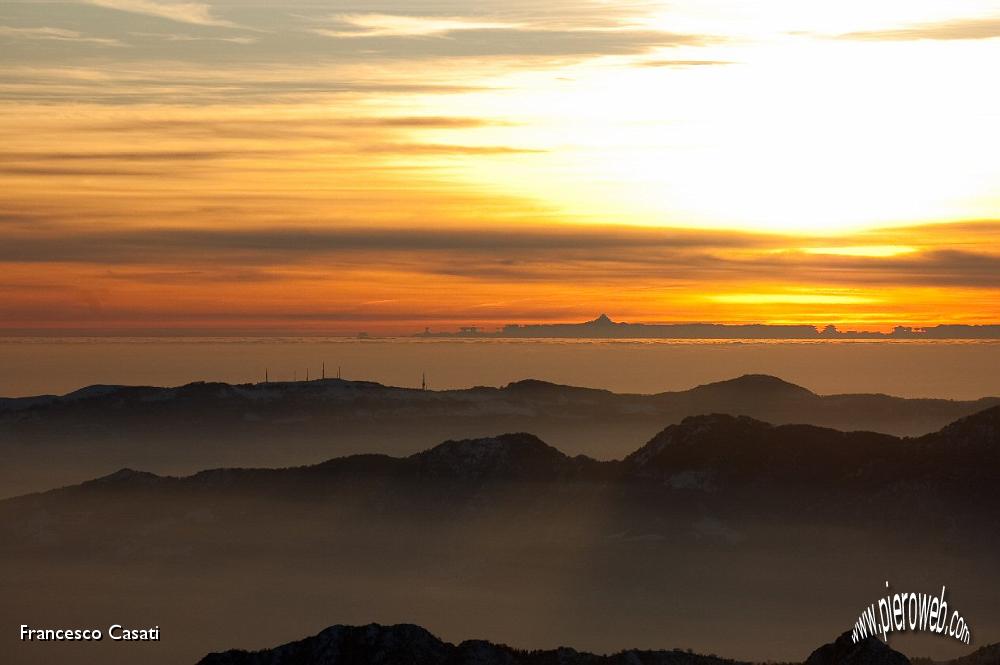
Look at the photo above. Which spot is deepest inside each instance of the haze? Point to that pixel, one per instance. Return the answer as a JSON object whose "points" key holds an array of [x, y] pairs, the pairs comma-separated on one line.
{"points": [[954, 370]]}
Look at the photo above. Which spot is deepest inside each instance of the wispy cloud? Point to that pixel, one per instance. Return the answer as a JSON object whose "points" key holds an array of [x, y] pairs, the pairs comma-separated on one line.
{"points": [[652, 256], [445, 149], [391, 25], [184, 84], [56, 34], [682, 63], [174, 37], [173, 244], [195, 13], [460, 271], [530, 34], [972, 28]]}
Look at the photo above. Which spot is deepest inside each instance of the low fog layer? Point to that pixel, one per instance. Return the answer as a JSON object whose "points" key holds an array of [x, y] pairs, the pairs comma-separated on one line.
{"points": [[722, 534]]}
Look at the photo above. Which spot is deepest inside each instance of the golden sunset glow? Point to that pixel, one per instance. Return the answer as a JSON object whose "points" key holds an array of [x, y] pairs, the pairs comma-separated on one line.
{"points": [[234, 167]]}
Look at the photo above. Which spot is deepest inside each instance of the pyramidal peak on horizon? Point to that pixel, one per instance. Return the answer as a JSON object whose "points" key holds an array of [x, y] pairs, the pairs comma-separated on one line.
{"points": [[604, 326]]}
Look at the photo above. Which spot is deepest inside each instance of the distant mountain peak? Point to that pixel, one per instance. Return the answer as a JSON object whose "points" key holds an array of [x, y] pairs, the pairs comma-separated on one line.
{"points": [[518, 455], [374, 644], [603, 320], [533, 384], [758, 383], [539, 387], [845, 651], [694, 434], [97, 390], [126, 475]]}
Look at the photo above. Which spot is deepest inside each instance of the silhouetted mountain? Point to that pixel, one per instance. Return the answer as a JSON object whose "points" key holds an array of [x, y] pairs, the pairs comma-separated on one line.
{"points": [[709, 453], [749, 384], [394, 645], [391, 645], [733, 449], [49, 441], [774, 532], [510, 456], [844, 651]]}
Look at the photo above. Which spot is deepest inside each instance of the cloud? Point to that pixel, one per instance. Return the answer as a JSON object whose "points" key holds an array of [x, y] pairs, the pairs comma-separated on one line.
{"points": [[60, 171], [943, 267], [295, 33], [516, 254], [683, 63], [456, 270], [194, 277], [178, 37], [56, 34], [972, 28], [280, 244], [542, 42], [391, 25], [115, 164], [932, 268], [149, 156], [195, 13], [391, 35], [445, 149], [195, 84], [420, 122]]}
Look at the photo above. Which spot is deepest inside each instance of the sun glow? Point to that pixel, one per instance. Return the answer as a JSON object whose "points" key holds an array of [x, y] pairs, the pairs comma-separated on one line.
{"points": [[247, 166], [802, 136]]}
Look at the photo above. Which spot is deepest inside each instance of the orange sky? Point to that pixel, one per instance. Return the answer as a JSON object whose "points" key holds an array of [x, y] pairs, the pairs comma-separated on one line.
{"points": [[223, 167]]}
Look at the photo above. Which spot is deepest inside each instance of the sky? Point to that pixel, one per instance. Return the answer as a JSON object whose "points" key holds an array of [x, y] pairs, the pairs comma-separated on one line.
{"points": [[305, 167]]}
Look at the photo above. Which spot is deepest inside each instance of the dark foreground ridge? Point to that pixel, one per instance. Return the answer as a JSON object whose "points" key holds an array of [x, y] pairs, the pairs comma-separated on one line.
{"points": [[395, 645]]}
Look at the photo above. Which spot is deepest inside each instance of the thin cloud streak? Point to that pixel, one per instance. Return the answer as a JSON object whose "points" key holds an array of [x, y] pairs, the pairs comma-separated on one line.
{"points": [[514, 255], [56, 34], [174, 244], [682, 63], [391, 25], [972, 28], [194, 13]]}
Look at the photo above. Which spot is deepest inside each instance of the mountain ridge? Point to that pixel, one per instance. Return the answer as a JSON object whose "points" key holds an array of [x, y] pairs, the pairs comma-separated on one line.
{"points": [[376, 644], [733, 448], [60, 440], [499, 535], [751, 381]]}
